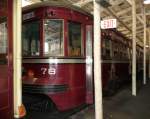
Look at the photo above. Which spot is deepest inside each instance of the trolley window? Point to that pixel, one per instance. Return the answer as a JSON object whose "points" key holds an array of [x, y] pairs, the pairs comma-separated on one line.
{"points": [[3, 5], [116, 50], [103, 48], [31, 38], [53, 36], [107, 43], [3, 36], [75, 40], [3, 40], [107, 49]]}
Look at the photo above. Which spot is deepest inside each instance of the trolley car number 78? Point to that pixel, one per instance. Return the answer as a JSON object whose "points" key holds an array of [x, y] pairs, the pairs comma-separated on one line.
{"points": [[50, 71]]}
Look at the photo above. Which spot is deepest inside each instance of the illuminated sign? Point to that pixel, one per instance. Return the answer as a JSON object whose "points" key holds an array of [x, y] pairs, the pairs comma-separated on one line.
{"points": [[109, 23]]}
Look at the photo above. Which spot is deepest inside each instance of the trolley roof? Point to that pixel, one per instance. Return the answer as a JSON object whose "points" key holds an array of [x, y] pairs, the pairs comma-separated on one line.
{"points": [[118, 9], [56, 4]]}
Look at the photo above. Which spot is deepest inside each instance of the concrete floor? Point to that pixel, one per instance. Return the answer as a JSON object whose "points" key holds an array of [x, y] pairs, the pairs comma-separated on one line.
{"points": [[123, 105]]}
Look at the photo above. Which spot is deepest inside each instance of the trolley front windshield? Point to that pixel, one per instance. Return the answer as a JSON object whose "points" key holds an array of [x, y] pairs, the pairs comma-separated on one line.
{"points": [[31, 38]]}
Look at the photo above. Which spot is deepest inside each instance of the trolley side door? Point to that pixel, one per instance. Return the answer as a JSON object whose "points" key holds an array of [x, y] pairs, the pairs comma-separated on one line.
{"points": [[89, 65], [6, 101], [4, 73]]}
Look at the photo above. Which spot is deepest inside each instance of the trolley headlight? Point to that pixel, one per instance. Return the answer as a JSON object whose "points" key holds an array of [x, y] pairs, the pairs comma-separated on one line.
{"points": [[31, 76], [30, 73]]}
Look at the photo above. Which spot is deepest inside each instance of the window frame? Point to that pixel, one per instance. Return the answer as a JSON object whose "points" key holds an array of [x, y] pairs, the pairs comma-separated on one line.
{"points": [[107, 42], [4, 22], [82, 39], [39, 24], [63, 39], [4, 55]]}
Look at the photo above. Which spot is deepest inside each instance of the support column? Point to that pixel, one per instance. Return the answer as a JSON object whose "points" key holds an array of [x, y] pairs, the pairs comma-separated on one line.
{"points": [[19, 110], [134, 47], [144, 56], [97, 62]]}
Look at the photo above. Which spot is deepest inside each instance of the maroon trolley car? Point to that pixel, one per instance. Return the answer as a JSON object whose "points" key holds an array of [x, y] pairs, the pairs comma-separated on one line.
{"points": [[56, 54], [57, 51]]}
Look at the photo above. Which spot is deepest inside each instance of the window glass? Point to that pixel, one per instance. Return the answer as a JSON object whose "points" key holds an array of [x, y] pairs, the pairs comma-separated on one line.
{"points": [[31, 38], [3, 40], [128, 53], [111, 48], [3, 5], [107, 48], [116, 50], [107, 43], [3, 36], [53, 36], [103, 48], [121, 51], [75, 39]]}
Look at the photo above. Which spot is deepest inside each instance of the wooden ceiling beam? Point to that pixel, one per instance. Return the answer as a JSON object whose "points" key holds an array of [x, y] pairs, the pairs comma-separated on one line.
{"points": [[126, 32], [116, 2], [114, 15], [122, 29], [130, 25], [129, 1], [82, 3], [140, 19], [123, 11]]}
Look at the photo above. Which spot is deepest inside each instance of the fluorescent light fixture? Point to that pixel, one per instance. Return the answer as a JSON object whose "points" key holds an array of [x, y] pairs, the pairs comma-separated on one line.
{"points": [[26, 2], [147, 46], [146, 1]]}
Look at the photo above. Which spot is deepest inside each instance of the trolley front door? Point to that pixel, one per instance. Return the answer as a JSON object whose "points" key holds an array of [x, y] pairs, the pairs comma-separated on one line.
{"points": [[6, 100]]}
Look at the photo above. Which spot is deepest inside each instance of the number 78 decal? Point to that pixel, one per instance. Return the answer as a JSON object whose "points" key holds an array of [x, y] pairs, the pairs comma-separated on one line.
{"points": [[50, 71]]}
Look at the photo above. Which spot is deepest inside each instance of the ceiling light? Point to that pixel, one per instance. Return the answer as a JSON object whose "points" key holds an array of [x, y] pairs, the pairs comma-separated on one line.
{"points": [[146, 1], [26, 2], [147, 46]]}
